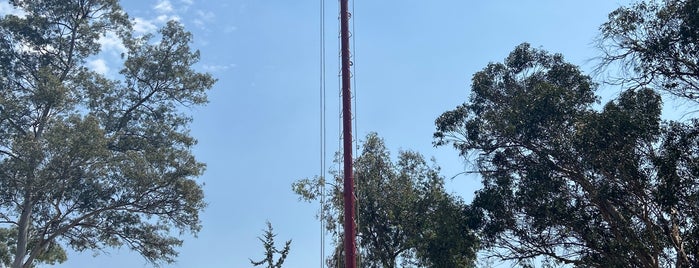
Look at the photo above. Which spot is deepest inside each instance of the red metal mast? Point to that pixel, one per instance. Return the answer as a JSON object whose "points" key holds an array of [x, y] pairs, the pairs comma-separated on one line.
{"points": [[349, 224]]}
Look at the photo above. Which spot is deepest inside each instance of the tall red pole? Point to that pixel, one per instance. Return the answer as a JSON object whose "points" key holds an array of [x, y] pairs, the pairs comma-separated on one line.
{"points": [[350, 230]]}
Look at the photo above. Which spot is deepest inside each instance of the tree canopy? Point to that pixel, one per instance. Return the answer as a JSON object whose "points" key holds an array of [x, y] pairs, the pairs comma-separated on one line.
{"points": [[404, 215], [88, 161], [656, 43], [569, 183]]}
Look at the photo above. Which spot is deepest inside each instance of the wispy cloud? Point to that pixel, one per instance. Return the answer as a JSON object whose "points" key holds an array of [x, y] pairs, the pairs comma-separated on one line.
{"points": [[110, 42], [98, 65], [164, 6], [206, 15], [217, 67], [143, 26], [167, 7], [7, 9], [112, 46], [203, 17], [165, 18], [164, 12]]}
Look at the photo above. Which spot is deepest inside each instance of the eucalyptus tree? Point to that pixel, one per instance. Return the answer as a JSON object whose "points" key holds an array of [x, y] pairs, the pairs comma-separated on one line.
{"points": [[91, 162], [404, 216], [563, 181], [656, 43]]}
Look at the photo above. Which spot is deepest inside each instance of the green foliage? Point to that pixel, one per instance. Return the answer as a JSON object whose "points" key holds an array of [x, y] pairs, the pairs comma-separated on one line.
{"points": [[403, 214], [271, 250], [570, 184], [53, 254], [87, 161], [656, 43]]}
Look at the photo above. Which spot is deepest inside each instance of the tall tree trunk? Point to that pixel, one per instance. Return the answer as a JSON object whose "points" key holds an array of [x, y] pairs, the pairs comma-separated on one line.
{"points": [[23, 231]]}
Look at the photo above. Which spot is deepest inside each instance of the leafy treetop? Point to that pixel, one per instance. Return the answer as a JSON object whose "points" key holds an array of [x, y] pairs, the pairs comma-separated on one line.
{"points": [[86, 161]]}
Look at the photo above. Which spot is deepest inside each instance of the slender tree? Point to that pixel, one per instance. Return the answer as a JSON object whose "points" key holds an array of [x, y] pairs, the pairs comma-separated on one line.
{"points": [[271, 250], [86, 161]]}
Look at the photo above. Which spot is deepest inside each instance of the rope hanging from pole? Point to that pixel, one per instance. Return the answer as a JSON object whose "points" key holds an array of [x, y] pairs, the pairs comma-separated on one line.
{"points": [[353, 74], [323, 135]]}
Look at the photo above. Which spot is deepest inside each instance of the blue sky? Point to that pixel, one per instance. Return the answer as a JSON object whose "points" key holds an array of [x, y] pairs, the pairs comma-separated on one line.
{"points": [[260, 131]]}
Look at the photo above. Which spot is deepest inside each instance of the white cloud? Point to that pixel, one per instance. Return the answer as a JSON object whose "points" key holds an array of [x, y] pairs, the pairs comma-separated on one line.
{"points": [[166, 18], [199, 23], [143, 26], [99, 66], [111, 43], [164, 12], [206, 15], [217, 67], [7, 9], [164, 7], [185, 5], [203, 17]]}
